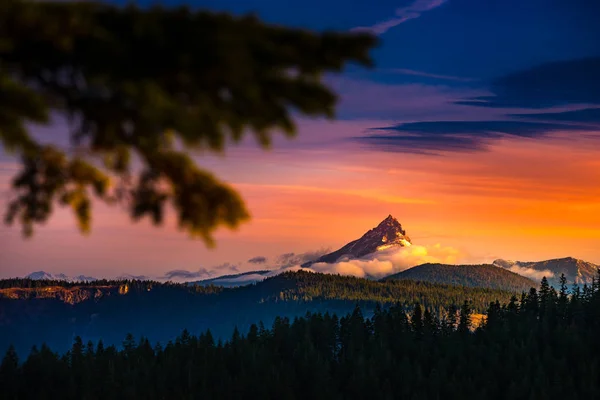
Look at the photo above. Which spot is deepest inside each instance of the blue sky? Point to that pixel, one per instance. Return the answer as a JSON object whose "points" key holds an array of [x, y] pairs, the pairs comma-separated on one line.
{"points": [[468, 38]]}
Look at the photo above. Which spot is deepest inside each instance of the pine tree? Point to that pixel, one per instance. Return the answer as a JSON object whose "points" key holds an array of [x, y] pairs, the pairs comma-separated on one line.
{"points": [[464, 322], [430, 324], [416, 319], [133, 81], [452, 320], [9, 374], [563, 287], [129, 344]]}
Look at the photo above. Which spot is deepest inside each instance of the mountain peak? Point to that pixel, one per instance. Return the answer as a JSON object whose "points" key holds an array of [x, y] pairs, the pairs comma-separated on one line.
{"points": [[43, 275], [39, 275], [391, 222], [387, 234]]}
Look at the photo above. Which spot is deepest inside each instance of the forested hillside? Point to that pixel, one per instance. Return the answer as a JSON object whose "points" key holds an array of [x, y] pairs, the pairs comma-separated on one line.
{"points": [[33, 312], [542, 347], [485, 275]]}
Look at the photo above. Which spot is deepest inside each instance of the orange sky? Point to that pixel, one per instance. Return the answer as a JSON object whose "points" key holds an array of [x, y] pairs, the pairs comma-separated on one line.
{"points": [[522, 199], [448, 80]]}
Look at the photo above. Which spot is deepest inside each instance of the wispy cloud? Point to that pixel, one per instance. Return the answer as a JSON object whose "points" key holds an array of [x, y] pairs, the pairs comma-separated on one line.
{"points": [[406, 71], [228, 267], [569, 82], [185, 274], [202, 273], [288, 260], [258, 260], [402, 15], [442, 136]]}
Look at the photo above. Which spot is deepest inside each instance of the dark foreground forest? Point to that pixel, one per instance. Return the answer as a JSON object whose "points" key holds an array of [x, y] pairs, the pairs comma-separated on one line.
{"points": [[544, 346]]}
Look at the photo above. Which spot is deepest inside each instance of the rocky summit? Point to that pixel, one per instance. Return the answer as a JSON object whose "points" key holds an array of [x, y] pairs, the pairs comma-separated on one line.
{"points": [[387, 234]]}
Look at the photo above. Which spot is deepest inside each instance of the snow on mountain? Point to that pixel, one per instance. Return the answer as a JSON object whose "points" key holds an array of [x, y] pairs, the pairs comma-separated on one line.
{"points": [[40, 275], [43, 275], [386, 235]]}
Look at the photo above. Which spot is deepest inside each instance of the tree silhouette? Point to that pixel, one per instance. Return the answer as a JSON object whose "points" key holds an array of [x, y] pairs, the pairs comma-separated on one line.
{"points": [[515, 354], [139, 84]]}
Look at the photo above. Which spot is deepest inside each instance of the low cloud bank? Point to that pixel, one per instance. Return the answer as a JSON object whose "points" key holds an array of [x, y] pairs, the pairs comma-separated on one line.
{"points": [[531, 273], [200, 274], [375, 265], [391, 261]]}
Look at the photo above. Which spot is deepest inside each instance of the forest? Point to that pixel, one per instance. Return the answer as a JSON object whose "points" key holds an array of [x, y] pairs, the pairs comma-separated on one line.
{"points": [[160, 311], [543, 345], [483, 275]]}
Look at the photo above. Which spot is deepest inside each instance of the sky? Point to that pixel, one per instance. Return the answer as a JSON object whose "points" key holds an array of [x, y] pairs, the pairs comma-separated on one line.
{"points": [[478, 129]]}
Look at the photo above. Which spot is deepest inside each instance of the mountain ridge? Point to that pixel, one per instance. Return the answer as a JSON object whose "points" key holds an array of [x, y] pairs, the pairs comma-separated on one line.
{"points": [[576, 270], [43, 275], [389, 233], [482, 275], [234, 280]]}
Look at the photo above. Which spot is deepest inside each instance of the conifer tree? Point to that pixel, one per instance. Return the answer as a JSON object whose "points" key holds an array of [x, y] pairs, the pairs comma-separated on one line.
{"points": [[464, 322], [452, 320], [137, 83], [430, 324], [9, 374], [416, 319]]}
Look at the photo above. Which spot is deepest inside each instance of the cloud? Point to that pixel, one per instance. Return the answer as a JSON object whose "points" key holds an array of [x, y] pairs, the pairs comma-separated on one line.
{"points": [[225, 266], [402, 15], [288, 260], [258, 260], [384, 263], [365, 99], [202, 273], [441, 136], [531, 273], [574, 81], [284, 262], [405, 71], [586, 115], [567, 91]]}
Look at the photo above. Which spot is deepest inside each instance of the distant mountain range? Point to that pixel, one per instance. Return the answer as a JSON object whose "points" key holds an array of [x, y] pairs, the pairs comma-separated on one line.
{"points": [[486, 275], [575, 270], [244, 278], [42, 275], [386, 235], [501, 274], [389, 234]]}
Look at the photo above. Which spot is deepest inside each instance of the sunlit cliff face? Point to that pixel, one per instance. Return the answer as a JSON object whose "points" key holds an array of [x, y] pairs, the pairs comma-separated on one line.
{"points": [[69, 295]]}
